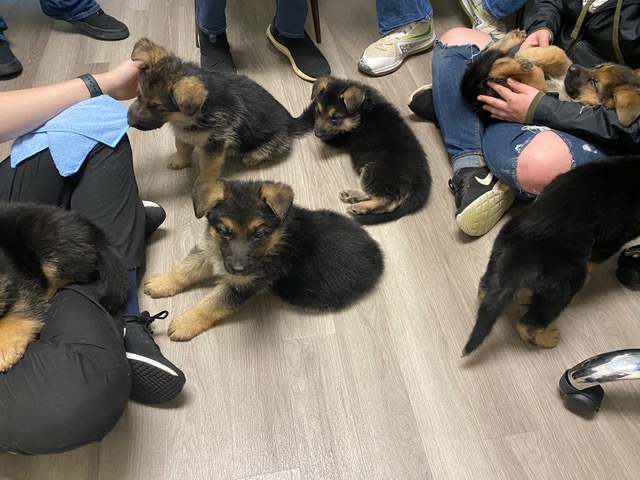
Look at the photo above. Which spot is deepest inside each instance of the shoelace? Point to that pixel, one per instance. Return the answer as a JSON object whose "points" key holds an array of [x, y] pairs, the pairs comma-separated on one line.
{"points": [[387, 40], [146, 321]]}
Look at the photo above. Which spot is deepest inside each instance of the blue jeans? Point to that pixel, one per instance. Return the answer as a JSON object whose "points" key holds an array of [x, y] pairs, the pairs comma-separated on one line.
{"points": [[289, 19], [60, 10], [393, 14], [471, 143]]}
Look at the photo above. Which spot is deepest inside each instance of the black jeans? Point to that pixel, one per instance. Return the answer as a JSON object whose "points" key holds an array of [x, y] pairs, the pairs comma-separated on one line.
{"points": [[72, 385]]}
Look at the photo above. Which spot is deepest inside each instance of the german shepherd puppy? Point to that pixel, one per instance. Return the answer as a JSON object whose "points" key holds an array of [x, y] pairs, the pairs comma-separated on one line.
{"points": [[42, 249], [541, 67], [213, 112], [255, 240], [548, 69], [579, 220], [385, 153]]}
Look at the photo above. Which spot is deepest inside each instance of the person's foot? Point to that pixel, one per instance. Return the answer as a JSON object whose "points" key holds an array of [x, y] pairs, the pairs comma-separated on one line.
{"points": [[421, 103], [481, 20], [215, 53], [102, 26], [481, 199], [154, 217], [307, 61], [387, 54], [154, 379], [10, 66]]}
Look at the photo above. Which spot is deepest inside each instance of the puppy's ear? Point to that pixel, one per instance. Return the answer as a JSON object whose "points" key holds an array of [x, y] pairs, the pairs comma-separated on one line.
{"points": [[352, 98], [278, 196], [627, 106], [147, 52], [319, 86], [189, 94], [206, 194]]}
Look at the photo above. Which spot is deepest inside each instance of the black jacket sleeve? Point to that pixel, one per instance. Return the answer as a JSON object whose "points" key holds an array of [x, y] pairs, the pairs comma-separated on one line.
{"points": [[595, 124], [544, 14]]}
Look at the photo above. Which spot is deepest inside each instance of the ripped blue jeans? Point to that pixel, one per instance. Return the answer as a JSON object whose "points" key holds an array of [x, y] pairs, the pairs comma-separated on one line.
{"points": [[472, 143]]}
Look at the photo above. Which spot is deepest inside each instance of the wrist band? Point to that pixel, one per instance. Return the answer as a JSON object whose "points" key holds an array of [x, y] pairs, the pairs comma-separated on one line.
{"points": [[92, 85]]}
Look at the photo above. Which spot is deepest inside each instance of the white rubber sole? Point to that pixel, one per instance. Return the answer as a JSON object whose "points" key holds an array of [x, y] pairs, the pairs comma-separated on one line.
{"points": [[483, 213]]}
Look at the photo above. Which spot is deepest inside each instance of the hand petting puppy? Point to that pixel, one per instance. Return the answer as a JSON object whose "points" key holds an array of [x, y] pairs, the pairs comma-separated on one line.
{"points": [[513, 105]]}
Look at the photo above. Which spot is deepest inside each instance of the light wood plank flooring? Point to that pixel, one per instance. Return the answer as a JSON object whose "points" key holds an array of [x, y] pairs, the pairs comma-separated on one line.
{"points": [[377, 391]]}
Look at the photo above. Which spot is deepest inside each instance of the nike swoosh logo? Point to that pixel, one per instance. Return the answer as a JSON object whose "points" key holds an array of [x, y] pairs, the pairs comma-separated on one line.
{"points": [[486, 181]]}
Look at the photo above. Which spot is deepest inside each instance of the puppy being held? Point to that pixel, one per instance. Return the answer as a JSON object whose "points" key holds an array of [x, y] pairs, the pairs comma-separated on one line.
{"points": [[255, 240], [216, 113], [42, 249], [548, 69], [385, 153], [546, 251]]}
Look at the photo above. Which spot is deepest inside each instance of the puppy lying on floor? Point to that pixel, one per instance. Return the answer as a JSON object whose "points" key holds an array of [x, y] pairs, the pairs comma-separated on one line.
{"points": [[385, 153], [42, 249], [213, 112], [256, 240], [548, 69], [546, 250]]}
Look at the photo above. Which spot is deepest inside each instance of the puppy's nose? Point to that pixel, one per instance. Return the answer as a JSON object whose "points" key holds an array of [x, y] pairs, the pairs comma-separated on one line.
{"points": [[235, 266]]}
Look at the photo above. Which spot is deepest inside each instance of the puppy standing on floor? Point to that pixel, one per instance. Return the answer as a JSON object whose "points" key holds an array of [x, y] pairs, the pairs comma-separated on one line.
{"points": [[581, 219], [255, 240], [42, 249], [393, 168], [213, 112]]}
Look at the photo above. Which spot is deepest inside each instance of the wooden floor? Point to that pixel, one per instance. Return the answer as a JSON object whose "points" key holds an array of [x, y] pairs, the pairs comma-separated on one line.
{"points": [[377, 391]]}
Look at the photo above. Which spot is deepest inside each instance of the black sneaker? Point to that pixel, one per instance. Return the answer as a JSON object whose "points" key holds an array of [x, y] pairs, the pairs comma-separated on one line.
{"points": [[421, 103], [307, 61], [154, 379], [481, 199], [154, 217], [215, 53], [628, 271], [102, 26], [10, 66]]}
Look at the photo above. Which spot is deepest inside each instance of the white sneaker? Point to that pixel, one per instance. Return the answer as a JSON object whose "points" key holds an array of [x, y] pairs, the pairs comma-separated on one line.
{"points": [[387, 54], [481, 19]]}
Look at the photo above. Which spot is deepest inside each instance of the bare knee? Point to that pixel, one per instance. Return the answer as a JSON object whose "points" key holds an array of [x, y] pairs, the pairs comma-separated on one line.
{"points": [[465, 36], [542, 160]]}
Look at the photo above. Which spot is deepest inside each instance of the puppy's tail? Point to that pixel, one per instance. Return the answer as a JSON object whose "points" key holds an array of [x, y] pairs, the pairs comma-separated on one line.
{"points": [[303, 124], [113, 274], [495, 301], [413, 202]]}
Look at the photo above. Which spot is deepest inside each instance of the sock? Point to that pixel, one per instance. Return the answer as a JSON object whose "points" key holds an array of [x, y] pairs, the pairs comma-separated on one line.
{"points": [[131, 306]]}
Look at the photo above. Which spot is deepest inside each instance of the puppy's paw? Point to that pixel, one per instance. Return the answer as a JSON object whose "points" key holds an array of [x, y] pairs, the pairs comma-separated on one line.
{"points": [[358, 209], [251, 161], [162, 285], [353, 196], [178, 161], [525, 65], [541, 338], [519, 34], [10, 353], [15, 334], [187, 326]]}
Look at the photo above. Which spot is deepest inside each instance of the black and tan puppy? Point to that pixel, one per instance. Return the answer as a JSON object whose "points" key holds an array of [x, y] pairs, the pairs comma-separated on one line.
{"points": [[385, 153], [545, 251], [256, 240], [213, 112], [541, 67], [42, 249]]}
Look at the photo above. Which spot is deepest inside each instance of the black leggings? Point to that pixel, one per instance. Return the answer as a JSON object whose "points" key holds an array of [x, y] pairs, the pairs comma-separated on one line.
{"points": [[72, 385]]}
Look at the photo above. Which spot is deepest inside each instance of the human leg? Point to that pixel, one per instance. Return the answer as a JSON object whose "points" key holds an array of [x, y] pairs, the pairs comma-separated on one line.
{"points": [[215, 53], [10, 66], [86, 15], [406, 29], [286, 33]]}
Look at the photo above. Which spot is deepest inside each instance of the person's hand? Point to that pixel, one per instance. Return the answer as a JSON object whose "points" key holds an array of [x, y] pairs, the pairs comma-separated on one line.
{"points": [[121, 82], [513, 105], [539, 38]]}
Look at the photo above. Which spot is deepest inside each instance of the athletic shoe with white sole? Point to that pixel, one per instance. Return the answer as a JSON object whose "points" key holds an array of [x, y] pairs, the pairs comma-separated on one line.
{"points": [[481, 20], [387, 54], [154, 217], [421, 103], [154, 379], [481, 199]]}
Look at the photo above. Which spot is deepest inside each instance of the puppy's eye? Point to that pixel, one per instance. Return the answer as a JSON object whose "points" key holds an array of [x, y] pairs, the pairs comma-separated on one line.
{"points": [[224, 232], [594, 82], [335, 119], [259, 233]]}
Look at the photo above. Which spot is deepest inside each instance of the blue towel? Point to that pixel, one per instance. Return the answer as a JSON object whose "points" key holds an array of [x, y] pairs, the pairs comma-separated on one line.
{"points": [[73, 133]]}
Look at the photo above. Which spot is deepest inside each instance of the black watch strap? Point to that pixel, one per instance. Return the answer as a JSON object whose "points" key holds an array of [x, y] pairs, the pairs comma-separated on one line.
{"points": [[92, 85]]}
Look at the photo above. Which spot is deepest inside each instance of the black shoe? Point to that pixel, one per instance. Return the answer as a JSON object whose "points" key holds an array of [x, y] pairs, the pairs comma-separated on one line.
{"points": [[421, 103], [154, 217], [102, 26], [628, 271], [154, 379], [10, 66], [481, 199], [307, 61], [215, 53]]}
